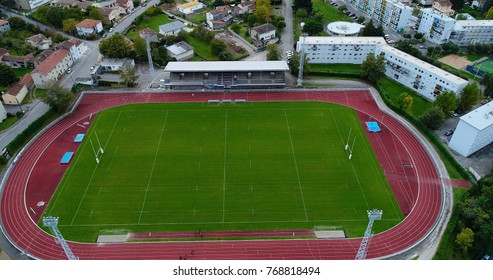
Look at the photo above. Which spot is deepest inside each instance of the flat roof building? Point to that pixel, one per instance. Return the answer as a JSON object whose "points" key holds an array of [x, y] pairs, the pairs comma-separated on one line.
{"points": [[474, 131], [343, 28], [422, 77], [227, 74]]}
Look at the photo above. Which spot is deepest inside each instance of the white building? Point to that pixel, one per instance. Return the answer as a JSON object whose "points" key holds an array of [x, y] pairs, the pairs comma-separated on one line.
{"points": [[343, 28], [115, 64], [4, 26], [190, 7], [180, 51], [389, 13], [172, 28], [439, 28], [263, 32], [88, 27], [3, 113], [39, 41], [422, 77], [435, 26], [474, 131], [52, 68], [471, 32], [76, 48], [31, 4]]}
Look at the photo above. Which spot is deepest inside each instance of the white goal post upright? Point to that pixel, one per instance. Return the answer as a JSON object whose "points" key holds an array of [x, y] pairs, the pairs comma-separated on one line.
{"points": [[94, 151], [352, 148], [349, 136], [99, 143]]}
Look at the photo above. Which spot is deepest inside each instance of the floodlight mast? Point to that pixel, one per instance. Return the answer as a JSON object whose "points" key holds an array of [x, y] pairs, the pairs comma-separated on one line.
{"points": [[301, 61], [52, 223], [373, 215]]}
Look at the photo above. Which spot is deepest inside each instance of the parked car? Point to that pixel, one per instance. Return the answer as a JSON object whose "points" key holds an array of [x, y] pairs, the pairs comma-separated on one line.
{"points": [[111, 30], [449, 132], [69, 70]]}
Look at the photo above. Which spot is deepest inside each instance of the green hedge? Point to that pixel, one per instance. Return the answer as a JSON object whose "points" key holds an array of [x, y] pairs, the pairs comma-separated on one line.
{"points": [[333, 74], [29, 132]]}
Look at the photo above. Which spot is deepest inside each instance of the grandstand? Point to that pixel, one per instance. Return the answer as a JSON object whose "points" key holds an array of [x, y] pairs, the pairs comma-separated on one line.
{"points": [[226, 74]]}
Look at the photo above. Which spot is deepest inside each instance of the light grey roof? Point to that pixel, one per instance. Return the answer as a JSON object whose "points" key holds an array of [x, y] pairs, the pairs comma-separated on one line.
{"points": [[179, 48], [221, 66], [264, 28], [481, 117], [172, 26]]}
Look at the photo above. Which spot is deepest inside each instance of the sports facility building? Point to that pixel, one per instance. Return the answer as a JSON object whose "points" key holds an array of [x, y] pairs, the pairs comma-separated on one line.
{"points": [[226, 74], [422, 77], [474, 131]]}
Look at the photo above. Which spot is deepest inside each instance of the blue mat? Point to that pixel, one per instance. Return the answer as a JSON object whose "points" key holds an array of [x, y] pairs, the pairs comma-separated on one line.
{"points": [[79, 138], [373, 126], [67, 157]]}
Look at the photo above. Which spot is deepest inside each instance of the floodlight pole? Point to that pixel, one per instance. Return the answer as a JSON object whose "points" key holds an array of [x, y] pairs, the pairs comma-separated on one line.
{"points": [[373, 215], [52, 223]]}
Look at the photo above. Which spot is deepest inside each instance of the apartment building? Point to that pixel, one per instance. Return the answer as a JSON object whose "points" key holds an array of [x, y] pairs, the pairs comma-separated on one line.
{"points": [[389, 13], [435, 26], [419, 76], [52, 68]]}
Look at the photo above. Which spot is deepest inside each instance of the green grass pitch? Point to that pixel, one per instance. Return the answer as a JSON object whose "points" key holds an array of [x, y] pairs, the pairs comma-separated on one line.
{"points": [[251, 166]]}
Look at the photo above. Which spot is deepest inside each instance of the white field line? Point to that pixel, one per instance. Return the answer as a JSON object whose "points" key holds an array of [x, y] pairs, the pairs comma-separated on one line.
{"points": [[225, 150], [296, 165], [152, 168]]}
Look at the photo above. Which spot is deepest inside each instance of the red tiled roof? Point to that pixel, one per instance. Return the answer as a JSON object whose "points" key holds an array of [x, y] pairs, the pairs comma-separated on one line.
{"points": [[38, 38], [147, 32], [42, 56], [53, 60], [3, 51], [88, 23], [27, 81], [2, 22], [14, 58]]}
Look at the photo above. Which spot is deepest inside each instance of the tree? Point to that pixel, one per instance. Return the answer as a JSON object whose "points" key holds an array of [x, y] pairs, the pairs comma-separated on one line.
{"points": [[418, 35], [17, 23], [469, 97], [69, 25], [8, 76], [446, 102], [342, 8], [225, 55], [361, 19], [273, 52], [487, 82], [217, 46], [301, 13], [489, 14], [262, 13], [433, 118], [373, 68], [303, 4], [8, 3], [294, 64], [57, 96], [115, 46], [140, 47], [405, 101], [128, 75], [371, 30], [313, 27], [218, 3], [236, 28], [465, 239], [95, 13], [457, 4]]}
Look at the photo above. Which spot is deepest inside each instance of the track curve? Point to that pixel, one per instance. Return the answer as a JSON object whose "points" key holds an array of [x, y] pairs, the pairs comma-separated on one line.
{"points": [[423, 198]]}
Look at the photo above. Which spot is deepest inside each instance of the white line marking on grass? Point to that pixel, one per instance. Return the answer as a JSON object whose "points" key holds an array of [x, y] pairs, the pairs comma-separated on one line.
{"points": [[153, 165], [224, 169], [250, 164], [296, 165], [251, 188]]}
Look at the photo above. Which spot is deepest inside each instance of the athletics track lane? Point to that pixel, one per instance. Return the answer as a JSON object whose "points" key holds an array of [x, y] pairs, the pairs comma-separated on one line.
{"points": [[25, 233]]}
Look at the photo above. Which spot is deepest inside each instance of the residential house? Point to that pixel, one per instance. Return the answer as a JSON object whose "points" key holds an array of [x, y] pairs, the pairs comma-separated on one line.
{"points": [[83, 5], [41, 57], [4, 25], [190, 7], [218, 15], [88, 27], [3, 52], [105, 4], [115, 64], [112, 15], [17, 61], [39, 41], [127, 5], [150, 34], [76, 48], [31, 5], [63, 3], [52, 68], [17, 93], [180, 51], [443, 6], [172, 28], [263, 32], [246, 7]]}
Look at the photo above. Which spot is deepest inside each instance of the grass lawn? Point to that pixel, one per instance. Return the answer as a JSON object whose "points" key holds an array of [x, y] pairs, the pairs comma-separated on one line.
{"points": [[132, 34], [252, 166], [474, 56], [201, 48], [336, 68], [155, 21], [329, 12], [394, 89], [8, 122], [20, 72]]}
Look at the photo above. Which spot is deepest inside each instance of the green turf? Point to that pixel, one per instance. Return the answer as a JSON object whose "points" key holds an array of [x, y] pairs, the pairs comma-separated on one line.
{"points": [[486, 66], [184, 167]]}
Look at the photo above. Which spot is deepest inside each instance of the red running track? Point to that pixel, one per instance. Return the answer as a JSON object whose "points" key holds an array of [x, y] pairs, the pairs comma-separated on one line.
{"points": [[411, 172]]}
